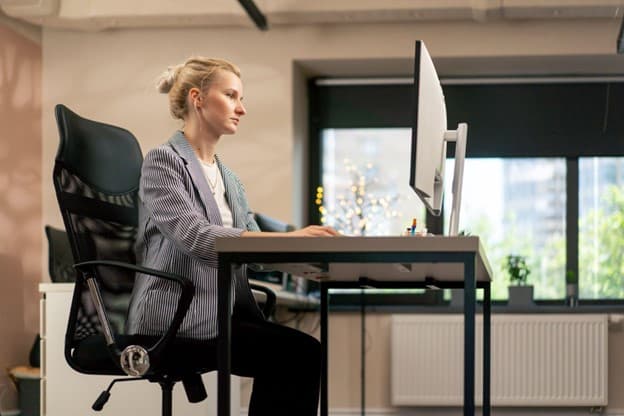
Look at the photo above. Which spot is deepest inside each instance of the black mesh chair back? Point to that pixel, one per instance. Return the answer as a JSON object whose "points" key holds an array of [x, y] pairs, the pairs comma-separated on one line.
{"points": [[60, 259], [96, 178]]}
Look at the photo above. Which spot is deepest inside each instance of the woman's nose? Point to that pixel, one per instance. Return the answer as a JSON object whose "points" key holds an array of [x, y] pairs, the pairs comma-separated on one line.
{"points": [[240, 109]]}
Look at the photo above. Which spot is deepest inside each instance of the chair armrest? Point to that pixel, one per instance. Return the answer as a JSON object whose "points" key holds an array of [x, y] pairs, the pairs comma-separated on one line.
{"points": [[188, 291], [271, 299]]}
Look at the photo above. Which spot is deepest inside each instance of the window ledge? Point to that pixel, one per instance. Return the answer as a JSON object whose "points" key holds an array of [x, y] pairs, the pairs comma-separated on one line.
{"points": [[495, 309]]}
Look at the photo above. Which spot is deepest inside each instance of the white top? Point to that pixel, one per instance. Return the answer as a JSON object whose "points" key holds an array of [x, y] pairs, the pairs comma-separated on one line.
{"points": [[215, 182]]}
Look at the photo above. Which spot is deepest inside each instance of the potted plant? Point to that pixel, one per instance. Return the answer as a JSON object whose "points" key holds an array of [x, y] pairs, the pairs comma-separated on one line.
{"points": [[571, 289], [520, 293]]}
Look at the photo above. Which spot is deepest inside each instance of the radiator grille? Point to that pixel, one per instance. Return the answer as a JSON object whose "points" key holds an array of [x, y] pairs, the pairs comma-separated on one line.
{"points": [[537, 360]]}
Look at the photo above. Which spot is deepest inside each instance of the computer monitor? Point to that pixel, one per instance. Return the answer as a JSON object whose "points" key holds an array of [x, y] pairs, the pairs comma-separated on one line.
{"points": [[429, 140]]}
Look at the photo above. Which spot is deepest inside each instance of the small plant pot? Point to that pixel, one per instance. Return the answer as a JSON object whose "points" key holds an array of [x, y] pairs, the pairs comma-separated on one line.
{"points": [[572, 294], [520, 296]]}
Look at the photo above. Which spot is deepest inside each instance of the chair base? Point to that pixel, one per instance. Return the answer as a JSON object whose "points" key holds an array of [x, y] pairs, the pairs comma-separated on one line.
{"points": [[167, 396], [193, 385]]}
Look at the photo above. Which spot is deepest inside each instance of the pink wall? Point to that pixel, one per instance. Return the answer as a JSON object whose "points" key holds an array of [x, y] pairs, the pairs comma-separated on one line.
{"points": [[21, 228]]}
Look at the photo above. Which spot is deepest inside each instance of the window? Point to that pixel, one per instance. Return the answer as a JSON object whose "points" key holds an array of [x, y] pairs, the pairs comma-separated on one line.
{"points": [[601, 227], [543, 177], [365, 191], [517, 206]]}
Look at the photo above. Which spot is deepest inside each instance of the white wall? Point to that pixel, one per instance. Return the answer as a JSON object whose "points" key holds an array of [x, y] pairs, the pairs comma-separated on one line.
{"points": [[109, 76], [21, 230]]}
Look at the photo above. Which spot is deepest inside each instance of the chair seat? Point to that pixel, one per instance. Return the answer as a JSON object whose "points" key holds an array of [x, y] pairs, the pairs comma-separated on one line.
{"points": [[184, 356]]}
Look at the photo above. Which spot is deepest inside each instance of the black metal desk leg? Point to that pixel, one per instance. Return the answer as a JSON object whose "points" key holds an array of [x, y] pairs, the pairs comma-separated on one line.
{"points": [[324, 349], [223, 346], [487, 322], [470, 299], [362, 352]]}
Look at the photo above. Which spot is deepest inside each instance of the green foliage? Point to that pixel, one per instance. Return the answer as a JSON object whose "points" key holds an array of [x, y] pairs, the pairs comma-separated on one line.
{"points": [[517, 269], [571, 277], [601, 262], [601, 242], [547, 266]]}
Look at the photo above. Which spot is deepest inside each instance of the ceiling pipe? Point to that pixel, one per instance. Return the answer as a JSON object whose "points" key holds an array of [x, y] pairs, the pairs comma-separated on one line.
{"points": [[255, 14]]}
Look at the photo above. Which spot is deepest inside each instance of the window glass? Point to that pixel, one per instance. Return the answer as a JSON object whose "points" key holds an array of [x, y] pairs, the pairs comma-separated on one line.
{"points": [[365, 181], [601, 227], [514, 193], [517, 206]]}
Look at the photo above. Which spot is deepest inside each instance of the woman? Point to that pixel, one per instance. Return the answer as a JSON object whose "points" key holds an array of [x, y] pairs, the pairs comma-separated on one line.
{"points": [[188, 199]]}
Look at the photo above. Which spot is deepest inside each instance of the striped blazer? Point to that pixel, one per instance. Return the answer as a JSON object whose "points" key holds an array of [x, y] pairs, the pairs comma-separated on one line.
{"points": [[178, 223]]}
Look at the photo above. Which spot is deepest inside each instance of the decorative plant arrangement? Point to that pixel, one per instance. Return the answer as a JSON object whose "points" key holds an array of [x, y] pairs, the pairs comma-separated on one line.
{"points": [[358, 209]]}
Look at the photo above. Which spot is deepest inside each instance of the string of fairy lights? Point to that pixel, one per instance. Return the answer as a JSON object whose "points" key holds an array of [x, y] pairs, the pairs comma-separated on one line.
{"points": [[361, 206]]}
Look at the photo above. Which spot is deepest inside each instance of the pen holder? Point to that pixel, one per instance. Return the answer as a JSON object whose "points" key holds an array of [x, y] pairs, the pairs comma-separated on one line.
{"points": [[417, 233]]}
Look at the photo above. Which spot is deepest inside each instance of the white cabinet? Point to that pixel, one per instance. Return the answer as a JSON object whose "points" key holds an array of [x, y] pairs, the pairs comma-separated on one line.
{"points": [[65, 392]]}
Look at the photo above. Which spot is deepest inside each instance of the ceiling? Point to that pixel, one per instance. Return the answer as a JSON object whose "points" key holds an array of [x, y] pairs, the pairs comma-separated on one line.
{"points": [[95, 15]]}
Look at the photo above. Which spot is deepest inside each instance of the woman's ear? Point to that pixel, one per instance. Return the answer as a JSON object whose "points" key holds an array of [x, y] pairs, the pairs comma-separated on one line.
{"points": [[195, 96]]}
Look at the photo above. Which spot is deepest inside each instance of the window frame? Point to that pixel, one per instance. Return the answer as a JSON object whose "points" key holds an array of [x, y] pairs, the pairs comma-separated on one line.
{"points": [[383, 103]]}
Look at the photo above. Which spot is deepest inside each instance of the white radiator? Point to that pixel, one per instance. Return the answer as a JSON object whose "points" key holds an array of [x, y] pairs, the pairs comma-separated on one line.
{"points": [[536, 360]]}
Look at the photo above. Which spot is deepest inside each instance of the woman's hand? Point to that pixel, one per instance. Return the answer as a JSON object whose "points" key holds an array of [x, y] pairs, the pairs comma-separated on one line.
{"points": [[315, 231], [309, 231]]}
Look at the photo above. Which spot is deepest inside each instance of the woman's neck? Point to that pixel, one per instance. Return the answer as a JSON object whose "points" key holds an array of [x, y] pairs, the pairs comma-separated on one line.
{"points": [[203, 143]]}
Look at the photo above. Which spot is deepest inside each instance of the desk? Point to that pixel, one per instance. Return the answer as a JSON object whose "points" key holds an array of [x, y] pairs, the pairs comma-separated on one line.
{"points": [[446, 262]]}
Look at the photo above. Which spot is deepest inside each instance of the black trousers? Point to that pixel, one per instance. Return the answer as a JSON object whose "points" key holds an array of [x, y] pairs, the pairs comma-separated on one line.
{"points": [[285, 365]]}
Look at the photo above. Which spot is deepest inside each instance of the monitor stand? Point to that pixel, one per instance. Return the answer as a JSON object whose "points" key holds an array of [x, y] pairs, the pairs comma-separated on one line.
{"points": [[458, 136]]}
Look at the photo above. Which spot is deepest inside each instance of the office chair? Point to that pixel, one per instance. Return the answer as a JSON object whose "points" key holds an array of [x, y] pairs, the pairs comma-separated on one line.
{"points": [[60, 260], [270, 224], [60, 270], [96, 179], [267, 223]]}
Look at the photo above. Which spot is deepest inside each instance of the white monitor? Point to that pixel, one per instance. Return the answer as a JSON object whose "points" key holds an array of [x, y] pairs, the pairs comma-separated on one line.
{"points": [[429, 140]]}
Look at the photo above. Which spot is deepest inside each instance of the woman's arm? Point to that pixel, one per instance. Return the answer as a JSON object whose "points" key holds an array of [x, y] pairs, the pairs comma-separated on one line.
{"points": [[164, 193], [254, 231], [309, 231]]}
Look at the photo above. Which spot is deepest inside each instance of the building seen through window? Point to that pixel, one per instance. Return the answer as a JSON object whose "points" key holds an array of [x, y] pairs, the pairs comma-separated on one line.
{"points": [[544, 174], [516, 205], [601, 227]]}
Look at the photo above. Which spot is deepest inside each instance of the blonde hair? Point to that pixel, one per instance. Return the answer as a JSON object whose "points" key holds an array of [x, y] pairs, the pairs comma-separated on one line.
{"points": [[197, 72]]}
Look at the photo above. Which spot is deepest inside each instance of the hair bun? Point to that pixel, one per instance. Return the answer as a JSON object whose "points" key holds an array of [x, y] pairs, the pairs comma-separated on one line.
{"points": [[167, 79]]}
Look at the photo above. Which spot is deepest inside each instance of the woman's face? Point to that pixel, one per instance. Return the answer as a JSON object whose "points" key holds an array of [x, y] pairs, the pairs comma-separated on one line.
{"points": [[220, 106]]}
